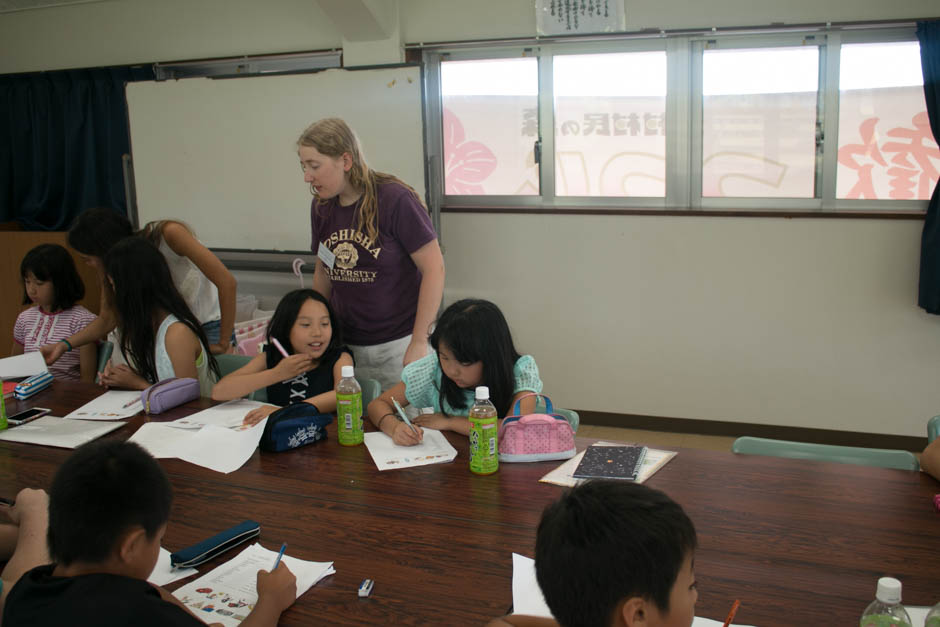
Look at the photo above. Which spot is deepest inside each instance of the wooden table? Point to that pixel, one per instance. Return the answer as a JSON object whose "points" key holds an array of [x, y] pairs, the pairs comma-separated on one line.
{"points": [[797, 542]]}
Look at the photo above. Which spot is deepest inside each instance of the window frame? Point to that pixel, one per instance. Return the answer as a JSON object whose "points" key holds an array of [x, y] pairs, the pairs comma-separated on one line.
{"points": [[684, 108]]}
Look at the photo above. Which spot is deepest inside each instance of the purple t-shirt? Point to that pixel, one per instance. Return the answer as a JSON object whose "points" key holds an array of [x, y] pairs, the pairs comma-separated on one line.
{"points": [[374, 284]]}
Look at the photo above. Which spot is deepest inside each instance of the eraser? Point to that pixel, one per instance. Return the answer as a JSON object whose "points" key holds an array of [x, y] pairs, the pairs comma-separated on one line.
{"points": [[365, 588]]}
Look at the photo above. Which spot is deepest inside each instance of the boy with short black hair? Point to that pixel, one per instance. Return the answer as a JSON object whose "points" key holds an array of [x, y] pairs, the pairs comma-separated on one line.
{"points": [[613, 553], [108, 508]]}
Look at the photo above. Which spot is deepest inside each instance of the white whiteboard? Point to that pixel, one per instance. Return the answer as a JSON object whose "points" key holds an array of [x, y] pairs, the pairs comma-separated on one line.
{"points": [[221, 154]]}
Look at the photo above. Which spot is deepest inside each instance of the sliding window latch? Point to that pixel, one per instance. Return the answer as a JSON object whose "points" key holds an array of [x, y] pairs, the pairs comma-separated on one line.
{"points": [[537, 148]]}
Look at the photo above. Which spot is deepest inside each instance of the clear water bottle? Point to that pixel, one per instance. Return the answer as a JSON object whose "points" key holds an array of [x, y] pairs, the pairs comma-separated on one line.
{"points": [[886, 610], [933, 617], [3, 410], [349, 409], [484, 448]]}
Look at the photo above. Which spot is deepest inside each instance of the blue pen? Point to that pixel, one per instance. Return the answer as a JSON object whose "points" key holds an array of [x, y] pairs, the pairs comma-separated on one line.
{"points": [[401, 412], [279, 556]]}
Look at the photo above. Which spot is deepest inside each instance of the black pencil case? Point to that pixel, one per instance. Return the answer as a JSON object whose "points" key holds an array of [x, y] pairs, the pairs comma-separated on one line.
{"points": [[207, 549]]}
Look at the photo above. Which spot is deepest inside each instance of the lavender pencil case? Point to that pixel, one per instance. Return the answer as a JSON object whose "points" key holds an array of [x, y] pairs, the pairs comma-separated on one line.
{"points": [[169, 393]]}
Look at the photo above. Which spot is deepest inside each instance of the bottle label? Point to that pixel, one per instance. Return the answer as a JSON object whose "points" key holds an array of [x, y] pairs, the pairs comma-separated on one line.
{"points": [[349, 419], [484, 447]]}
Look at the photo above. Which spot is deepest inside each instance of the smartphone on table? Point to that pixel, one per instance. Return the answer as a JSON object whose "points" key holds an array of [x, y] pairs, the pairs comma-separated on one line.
{"points": [[26, 415]]}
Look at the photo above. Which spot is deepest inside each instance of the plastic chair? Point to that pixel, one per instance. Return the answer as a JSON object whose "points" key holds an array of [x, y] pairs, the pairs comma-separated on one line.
{"points": [[371, 388], [569, 414], [229, 363], [933, 429], [883, 458]]}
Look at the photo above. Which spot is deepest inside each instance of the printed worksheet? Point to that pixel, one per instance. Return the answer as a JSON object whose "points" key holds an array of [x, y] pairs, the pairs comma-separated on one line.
{"points": [[228, 593], [164, 573], [52, 431], [229, 415], [434, 449], [112, 405], [223, 449]]}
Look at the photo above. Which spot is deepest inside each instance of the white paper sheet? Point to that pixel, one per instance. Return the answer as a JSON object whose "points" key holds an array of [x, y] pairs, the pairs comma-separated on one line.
{"points": [[563, 475], [434, 449], [228, 593], [527, 597], [220, 448], [918, 614], [22, 366], [112, 405], [229, 415], [53, 431], [160, 440], [164, 573]]}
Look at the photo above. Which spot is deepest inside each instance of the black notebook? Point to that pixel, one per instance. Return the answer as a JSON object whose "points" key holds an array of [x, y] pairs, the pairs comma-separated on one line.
{"points": [[611, 462]]}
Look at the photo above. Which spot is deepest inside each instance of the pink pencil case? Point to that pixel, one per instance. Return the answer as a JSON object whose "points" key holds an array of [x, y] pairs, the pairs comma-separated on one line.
{"points": [[168, 394]]}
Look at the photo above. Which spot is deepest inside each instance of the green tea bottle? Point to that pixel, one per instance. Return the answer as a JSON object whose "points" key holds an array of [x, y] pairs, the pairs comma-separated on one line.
{"points": [[886, 610], [933, 617], [349, 409], [484, 448]]}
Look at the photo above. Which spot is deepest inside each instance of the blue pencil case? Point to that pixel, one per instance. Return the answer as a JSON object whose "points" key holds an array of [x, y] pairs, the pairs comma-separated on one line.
{"points": [[32, 386], [216, 545]]}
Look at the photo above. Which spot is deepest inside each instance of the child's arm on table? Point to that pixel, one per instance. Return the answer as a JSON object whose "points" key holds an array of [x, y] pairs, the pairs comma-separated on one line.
{"points": [[382, 414]]}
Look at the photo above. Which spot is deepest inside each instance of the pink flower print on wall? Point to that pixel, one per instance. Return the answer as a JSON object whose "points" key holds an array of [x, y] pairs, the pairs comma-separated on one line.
{"points": [[466, 163]]}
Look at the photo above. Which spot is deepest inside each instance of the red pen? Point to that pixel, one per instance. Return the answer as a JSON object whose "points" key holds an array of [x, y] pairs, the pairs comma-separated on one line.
{"points": [[734, 610]]}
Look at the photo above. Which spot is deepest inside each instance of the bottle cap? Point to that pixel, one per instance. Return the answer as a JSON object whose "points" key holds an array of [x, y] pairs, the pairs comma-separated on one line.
{"points": [[889, 590], [483, 393], [348, 372]]}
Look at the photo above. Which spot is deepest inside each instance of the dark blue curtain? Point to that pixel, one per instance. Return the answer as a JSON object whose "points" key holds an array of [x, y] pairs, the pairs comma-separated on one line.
{"points": [[929, 294], [62, 135]]}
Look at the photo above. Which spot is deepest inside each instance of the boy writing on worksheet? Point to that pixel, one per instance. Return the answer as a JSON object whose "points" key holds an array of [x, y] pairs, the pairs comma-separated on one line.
{"points": [[613, 553], [108, 509]]}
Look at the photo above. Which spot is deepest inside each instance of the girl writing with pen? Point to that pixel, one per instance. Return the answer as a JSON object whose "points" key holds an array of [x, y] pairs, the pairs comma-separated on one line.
{"points": [[472, 346]]}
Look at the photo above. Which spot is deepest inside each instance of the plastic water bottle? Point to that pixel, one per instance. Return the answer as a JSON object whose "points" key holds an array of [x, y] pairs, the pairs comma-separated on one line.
{"points": [[886, 610], [484, 448], [933, 617], [349, 408], [3, 410]]}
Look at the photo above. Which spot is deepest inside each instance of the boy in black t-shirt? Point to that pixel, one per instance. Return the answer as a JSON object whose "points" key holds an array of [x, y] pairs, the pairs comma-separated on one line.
{"points": [[614, 554], [108, 509]]}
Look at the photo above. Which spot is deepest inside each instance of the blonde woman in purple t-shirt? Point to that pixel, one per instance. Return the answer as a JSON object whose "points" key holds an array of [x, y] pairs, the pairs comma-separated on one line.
{"points": [[378, 259]]}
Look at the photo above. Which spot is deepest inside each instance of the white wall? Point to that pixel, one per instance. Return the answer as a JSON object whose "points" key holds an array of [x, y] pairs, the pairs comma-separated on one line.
{"points": [[804, 322]]}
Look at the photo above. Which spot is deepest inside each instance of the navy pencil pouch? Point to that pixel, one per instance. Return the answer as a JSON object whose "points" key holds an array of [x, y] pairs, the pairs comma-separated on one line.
{"points": [[217, 544]]}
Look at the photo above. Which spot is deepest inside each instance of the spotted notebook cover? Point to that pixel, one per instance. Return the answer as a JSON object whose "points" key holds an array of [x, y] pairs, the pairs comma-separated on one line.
{"points": [[611, 462]]}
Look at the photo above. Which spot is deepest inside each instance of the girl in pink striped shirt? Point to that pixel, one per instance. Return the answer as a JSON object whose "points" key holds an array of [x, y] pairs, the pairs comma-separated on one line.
{"points": [[51, 283]]}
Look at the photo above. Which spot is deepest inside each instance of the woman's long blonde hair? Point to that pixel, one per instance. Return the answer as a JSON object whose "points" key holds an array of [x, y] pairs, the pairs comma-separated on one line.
{"points": [[332, 137]]}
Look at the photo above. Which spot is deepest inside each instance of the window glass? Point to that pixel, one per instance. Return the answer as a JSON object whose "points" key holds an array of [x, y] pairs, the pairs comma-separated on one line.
{"points": [[610, 130], [759, 122], [490, 125], [886, 149]]}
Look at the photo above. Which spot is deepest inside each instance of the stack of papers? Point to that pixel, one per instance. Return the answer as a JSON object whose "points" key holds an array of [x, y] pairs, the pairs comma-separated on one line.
{"points": [[527, 597], [564, 474], [112, 405], [214, 438], [228, 593], [52, 431], [434, 449]]}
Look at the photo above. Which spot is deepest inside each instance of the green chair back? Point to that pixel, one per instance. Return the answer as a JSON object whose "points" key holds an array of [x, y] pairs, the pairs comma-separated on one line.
{"points": [[229, 363], [883, 458], [371, 388], [933, 429]]}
